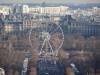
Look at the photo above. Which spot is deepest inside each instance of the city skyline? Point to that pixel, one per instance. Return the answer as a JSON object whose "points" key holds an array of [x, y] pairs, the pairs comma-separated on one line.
{"points": [[50, 1]]}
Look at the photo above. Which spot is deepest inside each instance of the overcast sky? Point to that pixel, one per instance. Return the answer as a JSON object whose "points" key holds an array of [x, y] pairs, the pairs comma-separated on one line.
{"points": [[50, 1]]}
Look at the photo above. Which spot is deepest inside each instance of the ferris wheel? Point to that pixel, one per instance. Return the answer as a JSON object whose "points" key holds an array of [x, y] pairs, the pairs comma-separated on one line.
{"points": [[47, 38]]}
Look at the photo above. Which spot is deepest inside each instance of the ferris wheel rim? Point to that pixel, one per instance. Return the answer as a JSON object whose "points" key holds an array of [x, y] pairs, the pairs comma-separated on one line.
{"points": [[62, 40]]}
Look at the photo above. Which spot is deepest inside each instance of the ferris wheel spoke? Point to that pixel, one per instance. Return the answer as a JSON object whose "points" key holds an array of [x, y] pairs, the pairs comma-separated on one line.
{"points": [[54, 31]]}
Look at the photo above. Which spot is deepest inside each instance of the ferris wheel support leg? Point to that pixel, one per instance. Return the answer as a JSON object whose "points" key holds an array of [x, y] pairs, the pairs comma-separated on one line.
{"points": [[42, 47], [50, 47]]}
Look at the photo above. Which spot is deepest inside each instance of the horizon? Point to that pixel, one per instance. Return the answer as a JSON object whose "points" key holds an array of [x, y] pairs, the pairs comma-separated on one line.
{"points": [[50, 1]]}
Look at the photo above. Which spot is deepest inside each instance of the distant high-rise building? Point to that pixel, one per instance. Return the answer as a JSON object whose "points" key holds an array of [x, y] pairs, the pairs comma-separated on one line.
{"points": [[43, 4], [5, 10], [17, 9], [25, 9]]}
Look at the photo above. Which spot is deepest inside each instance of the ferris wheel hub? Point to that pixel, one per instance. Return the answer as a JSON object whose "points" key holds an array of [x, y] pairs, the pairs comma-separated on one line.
{"points": [[46, 36]]}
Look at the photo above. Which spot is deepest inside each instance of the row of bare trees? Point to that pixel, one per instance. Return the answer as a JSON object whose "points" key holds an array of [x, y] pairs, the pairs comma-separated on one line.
{"points": [[12, 54], [79, 42]]}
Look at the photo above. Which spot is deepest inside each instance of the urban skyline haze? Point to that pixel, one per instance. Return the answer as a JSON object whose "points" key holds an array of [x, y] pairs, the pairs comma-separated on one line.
{"points": [[50, 1]]}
